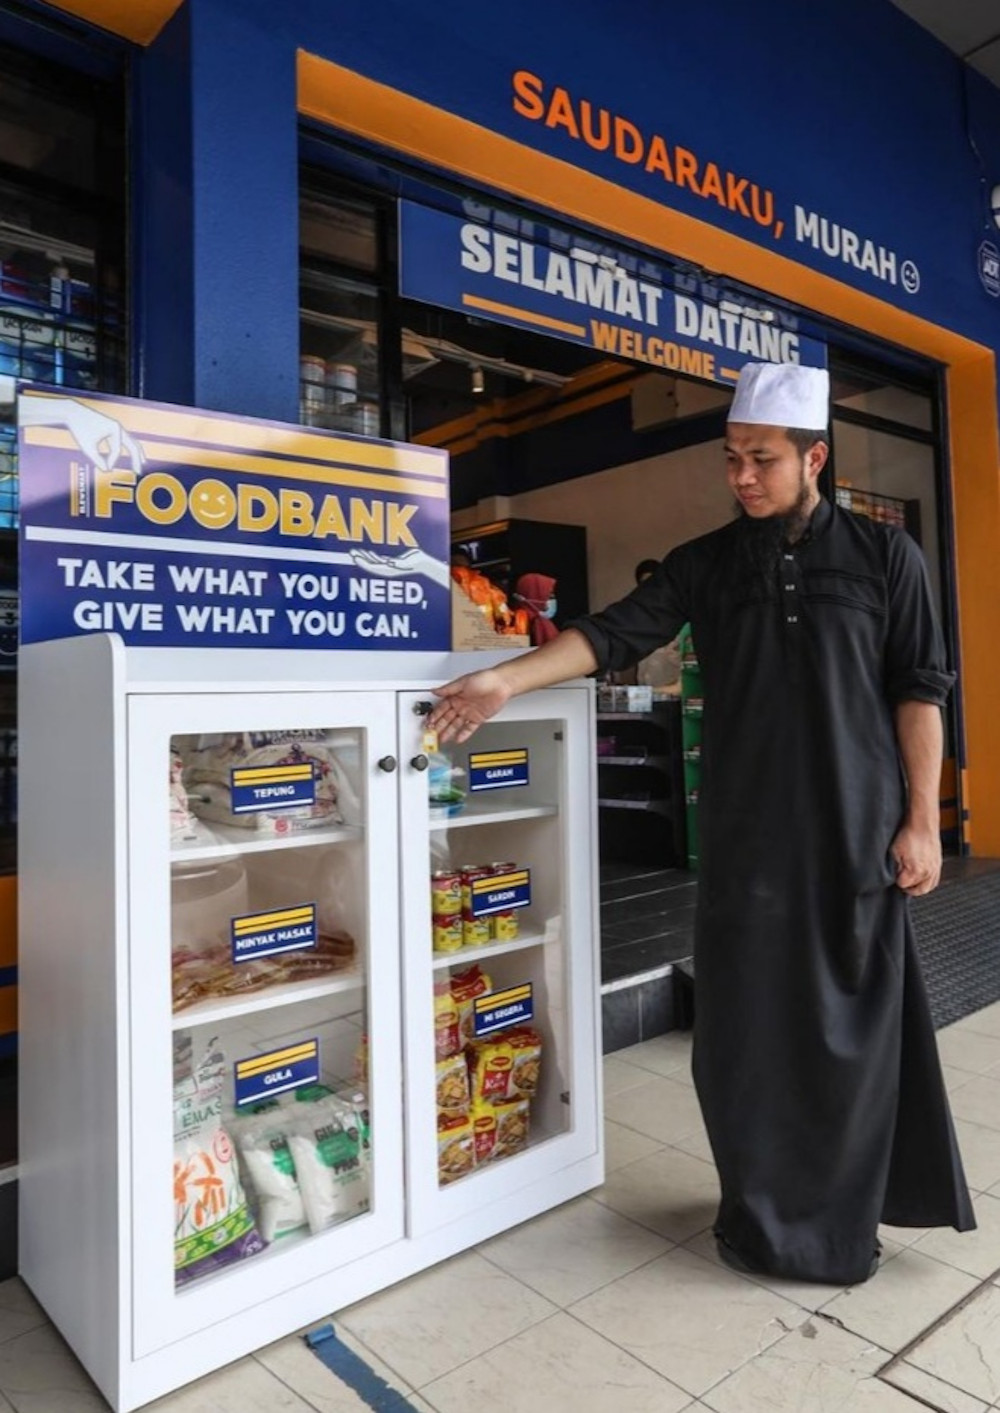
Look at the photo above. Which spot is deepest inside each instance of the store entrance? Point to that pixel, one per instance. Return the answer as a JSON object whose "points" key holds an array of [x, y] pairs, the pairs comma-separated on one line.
{"points": [[577, 468]]}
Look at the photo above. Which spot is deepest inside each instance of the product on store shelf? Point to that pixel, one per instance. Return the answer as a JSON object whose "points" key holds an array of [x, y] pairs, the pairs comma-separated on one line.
{"points": [[446, 893], [446, 793], [331, 1150], [269, 1167], [447, 1035], [512, 1128], [204, 969], [448, 933], [213, 1225], [452, 1085], [456, 1152], [209, 764], [465, 987], [183, 824], [505, 1066]]}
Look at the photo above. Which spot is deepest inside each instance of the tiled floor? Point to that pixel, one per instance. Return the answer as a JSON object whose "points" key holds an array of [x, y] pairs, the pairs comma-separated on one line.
{"points": [[616, 1303]]}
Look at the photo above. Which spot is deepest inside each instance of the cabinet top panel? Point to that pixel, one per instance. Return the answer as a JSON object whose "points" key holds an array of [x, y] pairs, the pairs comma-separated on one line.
{"points": [[209, 670]]}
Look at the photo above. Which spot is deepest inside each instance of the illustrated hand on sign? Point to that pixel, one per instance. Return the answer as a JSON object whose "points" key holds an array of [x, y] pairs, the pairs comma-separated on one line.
{"points": [[101, 438], [414, 561]]}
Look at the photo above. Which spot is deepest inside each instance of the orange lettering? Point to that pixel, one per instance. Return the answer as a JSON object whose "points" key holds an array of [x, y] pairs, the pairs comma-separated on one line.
{"points": [[560, 114], [691, 360], [626, 342], [763, 217], [527, 94], [711, 184], [602, 142], [687, 169], [657, 159], [734, 194], [624, 129]]}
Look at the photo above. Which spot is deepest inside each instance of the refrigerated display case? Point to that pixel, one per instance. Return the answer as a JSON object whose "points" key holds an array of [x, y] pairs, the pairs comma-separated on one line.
{"points": [[230, 983]]}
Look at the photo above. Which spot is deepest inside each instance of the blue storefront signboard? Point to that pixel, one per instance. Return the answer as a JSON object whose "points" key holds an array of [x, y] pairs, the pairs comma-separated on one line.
{"points": [[179, 528], [256, 935], [606, 299], [260, 1076], [497, 770]]}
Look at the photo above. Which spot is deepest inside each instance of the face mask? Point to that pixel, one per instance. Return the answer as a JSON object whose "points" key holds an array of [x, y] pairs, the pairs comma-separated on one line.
{"points": [[549, 611]]}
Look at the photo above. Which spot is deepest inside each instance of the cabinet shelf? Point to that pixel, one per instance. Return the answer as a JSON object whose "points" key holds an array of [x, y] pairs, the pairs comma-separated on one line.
{"points": [[490, 949], [288, 993], [226, 840], [630, 716], [654, 762], [489, 814], [657, 806]]}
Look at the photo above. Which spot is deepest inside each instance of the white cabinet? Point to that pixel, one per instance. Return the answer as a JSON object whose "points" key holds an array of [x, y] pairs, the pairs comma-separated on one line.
{"points": [[297, 944]]}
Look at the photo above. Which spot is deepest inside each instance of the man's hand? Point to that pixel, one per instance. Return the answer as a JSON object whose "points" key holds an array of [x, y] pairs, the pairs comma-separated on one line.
{"points": [[466, 703], [917, 855]]}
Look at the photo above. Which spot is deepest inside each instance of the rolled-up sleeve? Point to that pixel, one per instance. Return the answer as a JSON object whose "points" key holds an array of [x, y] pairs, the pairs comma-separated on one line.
{"points": [[651, 615], [916, 668]]}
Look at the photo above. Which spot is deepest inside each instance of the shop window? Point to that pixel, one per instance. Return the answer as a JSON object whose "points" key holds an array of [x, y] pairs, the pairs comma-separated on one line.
{"points": [[62, 305], [343, 286], [339, 355]]}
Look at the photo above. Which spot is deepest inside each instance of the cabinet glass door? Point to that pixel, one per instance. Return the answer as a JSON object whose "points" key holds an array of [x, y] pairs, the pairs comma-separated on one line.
{"points": [[500, 979], [266, 1100]]}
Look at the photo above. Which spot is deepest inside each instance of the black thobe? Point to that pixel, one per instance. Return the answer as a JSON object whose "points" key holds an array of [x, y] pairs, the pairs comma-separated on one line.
{"points": [[814, 1053]]}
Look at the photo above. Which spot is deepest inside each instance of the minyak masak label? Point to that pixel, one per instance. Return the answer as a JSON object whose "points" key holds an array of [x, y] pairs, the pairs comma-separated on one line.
{"points": [[179, 528], [519, 272], [256, 935]]}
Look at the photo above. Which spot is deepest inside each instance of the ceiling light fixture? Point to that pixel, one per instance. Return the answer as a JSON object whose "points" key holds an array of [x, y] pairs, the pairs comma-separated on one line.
{"points": [[478, 381]]}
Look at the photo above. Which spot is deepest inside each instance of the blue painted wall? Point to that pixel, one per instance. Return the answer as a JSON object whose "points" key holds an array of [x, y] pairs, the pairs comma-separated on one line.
{"points": [[843, 107]]}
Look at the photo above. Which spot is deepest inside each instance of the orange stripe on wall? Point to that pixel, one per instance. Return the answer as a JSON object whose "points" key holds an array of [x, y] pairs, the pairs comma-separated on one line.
{"points": [[8, 922], [355, 104], [139, 20], [8, 1010]]}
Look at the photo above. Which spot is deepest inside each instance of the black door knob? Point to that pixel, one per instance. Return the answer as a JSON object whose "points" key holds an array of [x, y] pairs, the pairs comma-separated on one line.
{"points": [[388, 764], [419, 762]]}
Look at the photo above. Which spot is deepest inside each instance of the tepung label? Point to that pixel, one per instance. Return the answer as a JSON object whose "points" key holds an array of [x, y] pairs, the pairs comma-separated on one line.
{"points": [[496, 770], [499, 1009], [267, 934], [261, 1075], [499, 892], [256, 789]]}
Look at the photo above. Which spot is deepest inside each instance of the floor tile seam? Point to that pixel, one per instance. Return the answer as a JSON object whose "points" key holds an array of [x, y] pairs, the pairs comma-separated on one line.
{"points": [[901, 1355], [669, 1242], [675, 1244], [659, 1074], [919, 1397], [421, 1389], [376, 1355], [631, 1354], [297, 1393], [42, 1323]]}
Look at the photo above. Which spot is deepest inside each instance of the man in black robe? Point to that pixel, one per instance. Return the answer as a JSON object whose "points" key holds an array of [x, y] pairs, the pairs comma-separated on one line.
{"points": [[824, 676]]}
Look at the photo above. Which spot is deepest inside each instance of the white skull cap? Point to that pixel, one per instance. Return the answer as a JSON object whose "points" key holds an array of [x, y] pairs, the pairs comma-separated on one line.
{"points": [[782, 395]]}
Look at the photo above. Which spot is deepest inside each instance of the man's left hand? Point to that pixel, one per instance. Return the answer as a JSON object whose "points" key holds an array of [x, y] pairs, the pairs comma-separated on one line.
{"points": [[917, 855]]}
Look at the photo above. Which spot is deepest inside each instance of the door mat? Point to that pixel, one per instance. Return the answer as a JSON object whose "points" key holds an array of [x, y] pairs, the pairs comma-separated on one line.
{"points": [[957, 929]]}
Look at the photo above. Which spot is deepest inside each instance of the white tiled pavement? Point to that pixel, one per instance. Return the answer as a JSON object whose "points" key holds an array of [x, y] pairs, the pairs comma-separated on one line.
{"points": [[616, 1303]]}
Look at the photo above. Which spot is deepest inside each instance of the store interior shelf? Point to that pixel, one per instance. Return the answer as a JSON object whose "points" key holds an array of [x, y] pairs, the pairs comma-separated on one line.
{"points": [[657, 806], [654, 762], [223, 841], [489, 949], [629, 715], [490, 814], [209, 1012]]}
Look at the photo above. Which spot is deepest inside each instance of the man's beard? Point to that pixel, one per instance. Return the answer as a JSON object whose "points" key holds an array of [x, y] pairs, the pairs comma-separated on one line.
{"points": [[761, 542]]}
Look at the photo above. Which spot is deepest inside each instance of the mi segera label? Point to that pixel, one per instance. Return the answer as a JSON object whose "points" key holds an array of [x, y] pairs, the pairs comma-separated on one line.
{"points": [[499, 1009]]}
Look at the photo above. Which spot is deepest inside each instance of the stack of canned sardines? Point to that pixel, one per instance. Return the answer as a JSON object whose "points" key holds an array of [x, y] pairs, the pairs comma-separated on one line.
{"points": [[453, 923]]}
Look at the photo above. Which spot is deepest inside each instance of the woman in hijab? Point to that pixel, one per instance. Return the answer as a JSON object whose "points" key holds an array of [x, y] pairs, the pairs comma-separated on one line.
{"points": [[537, 594]]}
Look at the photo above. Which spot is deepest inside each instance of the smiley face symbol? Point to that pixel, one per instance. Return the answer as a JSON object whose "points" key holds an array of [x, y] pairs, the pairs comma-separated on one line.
{"points": [[212, 504]]}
